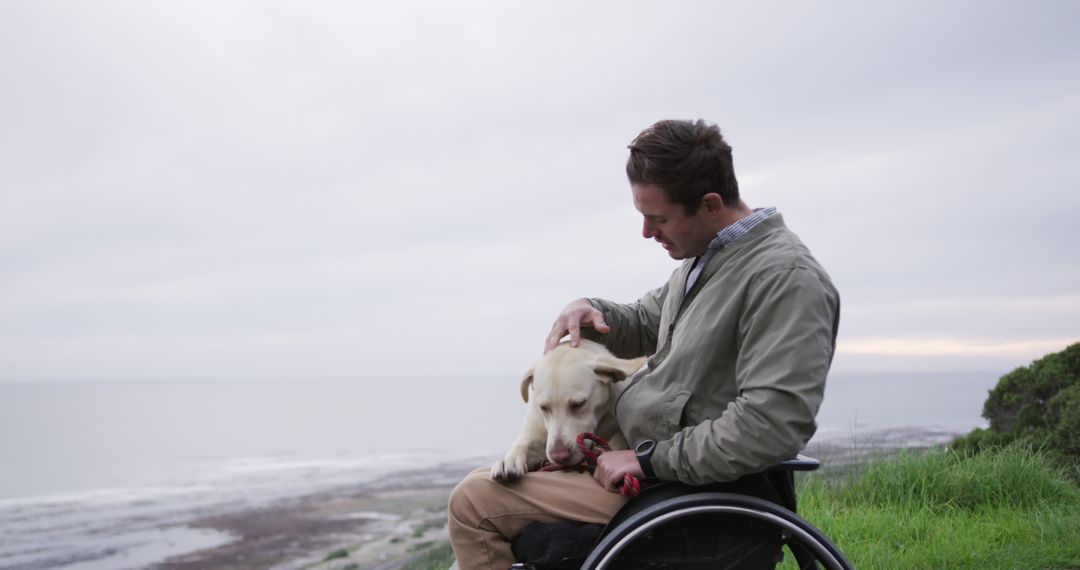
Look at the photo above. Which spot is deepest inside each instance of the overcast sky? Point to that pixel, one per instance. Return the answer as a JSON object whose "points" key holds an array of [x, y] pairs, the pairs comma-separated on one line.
{"points": [[215, 190]]}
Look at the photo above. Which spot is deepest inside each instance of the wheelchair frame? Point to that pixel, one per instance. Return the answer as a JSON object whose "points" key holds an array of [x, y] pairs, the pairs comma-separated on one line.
{"points": [[809, 545], [795, 531]]}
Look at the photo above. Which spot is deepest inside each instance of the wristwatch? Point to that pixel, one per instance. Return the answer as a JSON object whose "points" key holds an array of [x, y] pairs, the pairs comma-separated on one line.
{"points": [[644, 451]]}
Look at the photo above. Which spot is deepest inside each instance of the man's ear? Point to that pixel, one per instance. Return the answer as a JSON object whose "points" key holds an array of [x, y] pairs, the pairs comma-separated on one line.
{"points": [[712, 202], [611, 369], [525, 383]]}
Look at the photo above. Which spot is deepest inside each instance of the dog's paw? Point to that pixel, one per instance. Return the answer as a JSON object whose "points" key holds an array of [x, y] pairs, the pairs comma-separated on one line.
{"points": [[510, 468]]}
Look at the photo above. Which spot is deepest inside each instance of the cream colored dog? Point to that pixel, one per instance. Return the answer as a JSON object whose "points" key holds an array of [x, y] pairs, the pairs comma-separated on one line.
{"points": [[574, 391]]}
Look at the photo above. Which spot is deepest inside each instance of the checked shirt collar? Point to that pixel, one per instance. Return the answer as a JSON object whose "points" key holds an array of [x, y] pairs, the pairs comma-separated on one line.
{"points": [[726, 237]]}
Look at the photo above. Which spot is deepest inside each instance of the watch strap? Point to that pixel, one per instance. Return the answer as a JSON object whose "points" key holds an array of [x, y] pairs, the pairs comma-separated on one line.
{"points": [[644, 452]]}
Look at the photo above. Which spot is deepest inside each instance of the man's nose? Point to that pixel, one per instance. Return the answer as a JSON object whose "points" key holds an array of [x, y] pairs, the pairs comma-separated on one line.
{"points": [[647, 230]]}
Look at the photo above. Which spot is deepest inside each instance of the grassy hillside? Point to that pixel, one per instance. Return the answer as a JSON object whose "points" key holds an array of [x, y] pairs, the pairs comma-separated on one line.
{"points": [[1009, 508], [1004, 508]]}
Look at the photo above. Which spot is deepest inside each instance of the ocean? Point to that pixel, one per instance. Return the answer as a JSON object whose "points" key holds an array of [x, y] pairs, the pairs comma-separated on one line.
{"points": [[92, 471]]}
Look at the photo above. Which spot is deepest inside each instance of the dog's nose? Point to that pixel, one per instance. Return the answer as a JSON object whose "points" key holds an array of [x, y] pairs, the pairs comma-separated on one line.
{"points": [[559, 454]]}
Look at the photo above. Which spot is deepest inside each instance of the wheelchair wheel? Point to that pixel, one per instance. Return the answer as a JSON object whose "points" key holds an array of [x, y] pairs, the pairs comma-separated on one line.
{"points": [[713, 530]]}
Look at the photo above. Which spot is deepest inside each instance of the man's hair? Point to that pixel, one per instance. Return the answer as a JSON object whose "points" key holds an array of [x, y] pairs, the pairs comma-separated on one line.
{"points": [[686, 159]]}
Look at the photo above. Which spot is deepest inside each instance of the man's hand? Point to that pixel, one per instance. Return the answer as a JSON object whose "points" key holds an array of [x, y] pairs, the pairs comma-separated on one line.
{"points": [[612, 467], [577, 314]]}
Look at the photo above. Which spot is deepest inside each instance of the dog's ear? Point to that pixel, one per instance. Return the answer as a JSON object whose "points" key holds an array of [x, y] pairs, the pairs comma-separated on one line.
{"points": [[525, 383], [614, 369]]}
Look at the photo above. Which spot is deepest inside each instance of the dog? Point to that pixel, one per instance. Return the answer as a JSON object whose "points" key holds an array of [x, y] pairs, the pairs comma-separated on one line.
{"points": [[573, 391]]}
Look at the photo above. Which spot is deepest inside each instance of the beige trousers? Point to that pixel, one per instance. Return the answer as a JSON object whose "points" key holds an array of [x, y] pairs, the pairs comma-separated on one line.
{"points": [[486, 515]]}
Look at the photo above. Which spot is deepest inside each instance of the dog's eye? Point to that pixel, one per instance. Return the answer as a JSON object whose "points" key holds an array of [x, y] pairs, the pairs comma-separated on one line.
{"points": [[575, 406], [545, 408]]}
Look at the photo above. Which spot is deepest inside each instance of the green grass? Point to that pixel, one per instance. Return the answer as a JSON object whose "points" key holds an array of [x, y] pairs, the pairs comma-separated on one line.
{"points": [[1008, 508], [439, 557]]}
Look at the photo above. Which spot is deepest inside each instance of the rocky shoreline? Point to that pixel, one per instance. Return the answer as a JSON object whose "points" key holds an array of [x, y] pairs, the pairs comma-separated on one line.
{"points": [[381, 525], [375, 525]]}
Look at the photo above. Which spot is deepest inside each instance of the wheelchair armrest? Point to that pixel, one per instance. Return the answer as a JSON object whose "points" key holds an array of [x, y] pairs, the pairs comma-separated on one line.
{"points": [[800, 463]]}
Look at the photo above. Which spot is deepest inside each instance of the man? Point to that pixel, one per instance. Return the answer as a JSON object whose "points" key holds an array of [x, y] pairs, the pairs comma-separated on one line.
{"points": [[741, 338]]}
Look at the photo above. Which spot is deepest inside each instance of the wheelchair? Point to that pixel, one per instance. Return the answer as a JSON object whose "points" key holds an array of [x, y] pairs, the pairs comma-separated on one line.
{"points": [[679, 527]]}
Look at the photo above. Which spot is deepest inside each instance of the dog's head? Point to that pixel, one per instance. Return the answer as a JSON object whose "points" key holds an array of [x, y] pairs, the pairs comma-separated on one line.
{"points": [[572, 390]]}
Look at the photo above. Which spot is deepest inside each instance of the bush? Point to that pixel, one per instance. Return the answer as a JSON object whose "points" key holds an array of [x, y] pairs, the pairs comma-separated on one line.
{"points": [[980, 440], [1017, 405], [1036, 406], [1063, 414]]}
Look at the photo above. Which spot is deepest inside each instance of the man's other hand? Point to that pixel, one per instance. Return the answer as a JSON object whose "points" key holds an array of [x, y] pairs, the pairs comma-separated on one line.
{"points": [[612, 467], [577, 314]]}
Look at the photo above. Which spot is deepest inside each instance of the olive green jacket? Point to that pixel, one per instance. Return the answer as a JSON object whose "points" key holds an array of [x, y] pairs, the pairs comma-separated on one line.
{"points": [[738, 363]]}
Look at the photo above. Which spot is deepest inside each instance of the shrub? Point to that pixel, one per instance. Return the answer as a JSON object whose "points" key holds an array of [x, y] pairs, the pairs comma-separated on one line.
{"points": [[980, 440], [1037, 406], [1063, 414]]}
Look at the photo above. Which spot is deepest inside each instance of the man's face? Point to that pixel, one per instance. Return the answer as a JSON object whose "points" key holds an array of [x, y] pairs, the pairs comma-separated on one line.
{"points": [[665, 221]]}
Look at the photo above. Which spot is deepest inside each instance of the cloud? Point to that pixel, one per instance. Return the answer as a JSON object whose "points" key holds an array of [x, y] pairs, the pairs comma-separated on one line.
{"points": [[242, 189]]}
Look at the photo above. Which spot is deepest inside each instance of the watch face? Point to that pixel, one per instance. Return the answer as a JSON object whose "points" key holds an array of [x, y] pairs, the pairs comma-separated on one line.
{"points": [[645, 447]]}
